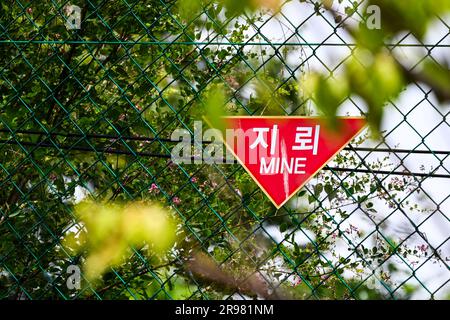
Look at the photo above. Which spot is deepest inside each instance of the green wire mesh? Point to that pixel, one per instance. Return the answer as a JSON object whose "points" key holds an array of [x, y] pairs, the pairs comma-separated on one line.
{"points": [[90, 112]]}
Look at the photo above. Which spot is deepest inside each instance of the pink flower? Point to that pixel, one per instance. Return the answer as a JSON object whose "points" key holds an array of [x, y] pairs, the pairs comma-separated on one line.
{"points": [[176, 200], [194, 179], [423, 247], [153, 188], [297, 281]]}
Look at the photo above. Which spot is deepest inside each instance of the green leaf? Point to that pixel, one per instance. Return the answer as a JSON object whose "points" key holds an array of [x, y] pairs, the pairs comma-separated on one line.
{"points": [[318, 188]]}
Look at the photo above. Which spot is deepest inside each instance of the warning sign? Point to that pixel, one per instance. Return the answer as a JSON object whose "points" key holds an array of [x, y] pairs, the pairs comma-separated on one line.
{"points": [[283, 153]]}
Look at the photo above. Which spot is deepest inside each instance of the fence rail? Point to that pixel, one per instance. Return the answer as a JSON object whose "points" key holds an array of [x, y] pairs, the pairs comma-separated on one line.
{"points": [[87, 109]]}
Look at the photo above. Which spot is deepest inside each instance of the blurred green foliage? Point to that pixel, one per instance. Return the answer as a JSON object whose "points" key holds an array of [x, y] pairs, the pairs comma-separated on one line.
{"points": [[374, 72], [131, 88], [108, 230]]}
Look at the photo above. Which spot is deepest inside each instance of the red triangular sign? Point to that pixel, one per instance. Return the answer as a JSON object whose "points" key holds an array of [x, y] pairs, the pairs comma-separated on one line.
{"points": [[283, 153]]}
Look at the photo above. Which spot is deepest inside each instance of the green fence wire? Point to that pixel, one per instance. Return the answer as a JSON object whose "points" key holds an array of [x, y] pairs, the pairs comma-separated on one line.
{"points": [[88, 110]]}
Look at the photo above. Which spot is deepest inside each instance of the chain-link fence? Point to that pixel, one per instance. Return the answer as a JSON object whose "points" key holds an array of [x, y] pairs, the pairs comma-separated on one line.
{"points": [[91, 92]]}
